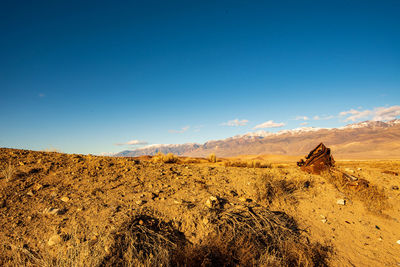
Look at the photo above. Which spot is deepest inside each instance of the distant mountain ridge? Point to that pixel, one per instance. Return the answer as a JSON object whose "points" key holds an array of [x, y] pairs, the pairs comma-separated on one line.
{"points": [[367, 139]]}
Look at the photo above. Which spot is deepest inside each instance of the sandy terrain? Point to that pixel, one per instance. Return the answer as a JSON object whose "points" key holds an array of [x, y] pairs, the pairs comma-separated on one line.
{"points": [[72, 210]]}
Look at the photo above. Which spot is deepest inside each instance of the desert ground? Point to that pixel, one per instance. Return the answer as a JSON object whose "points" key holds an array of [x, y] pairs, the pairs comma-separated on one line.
{"points": [[83, 210]]}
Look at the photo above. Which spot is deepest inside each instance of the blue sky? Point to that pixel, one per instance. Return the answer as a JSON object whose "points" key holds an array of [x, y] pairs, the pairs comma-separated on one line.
{"points": [[93, 76]]}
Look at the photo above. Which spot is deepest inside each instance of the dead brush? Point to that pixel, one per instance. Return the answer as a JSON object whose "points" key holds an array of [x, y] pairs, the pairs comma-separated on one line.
{"points": [[8, 172], [144, 241], [212, 158], [373, 197], [253, 236], [247, 164], [270, 189], [161, 158]]}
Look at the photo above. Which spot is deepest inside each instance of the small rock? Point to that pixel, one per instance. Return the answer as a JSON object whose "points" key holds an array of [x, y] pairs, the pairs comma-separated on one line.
{"points": [[64, 199], [30, 193], [359, 169], [398, 242], [324, 220], [37, 187], [140, 202], [54, 239], [205, 221], [341, 202], [395, 187], [212, 202], [3, 203]]}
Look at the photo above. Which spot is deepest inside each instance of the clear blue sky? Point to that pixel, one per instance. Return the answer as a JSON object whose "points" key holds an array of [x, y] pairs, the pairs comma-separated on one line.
{"points": [[83, 76]]}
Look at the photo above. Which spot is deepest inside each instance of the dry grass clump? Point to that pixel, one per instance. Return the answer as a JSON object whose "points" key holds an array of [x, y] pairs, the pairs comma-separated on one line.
{"points": [[161, 158], [8, 172], [254, 236], [144, 241], [247, 164], [212, 158], [270, 188], [373, 197]]}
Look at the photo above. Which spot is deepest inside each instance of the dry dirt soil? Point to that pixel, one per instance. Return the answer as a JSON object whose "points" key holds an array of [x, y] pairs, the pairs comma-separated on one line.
{"points": [[82, 210]]}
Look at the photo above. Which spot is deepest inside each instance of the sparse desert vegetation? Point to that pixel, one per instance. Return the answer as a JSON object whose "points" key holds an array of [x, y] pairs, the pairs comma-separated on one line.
{"points": [[77, 210]]}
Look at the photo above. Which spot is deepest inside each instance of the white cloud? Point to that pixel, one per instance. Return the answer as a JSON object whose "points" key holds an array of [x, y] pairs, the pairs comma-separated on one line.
{"points": [[304, 118], [269, 124], [132, 143], [235, 122], [386, 114], [303, 123], [376, 114], [182, 130], [319, 118]]}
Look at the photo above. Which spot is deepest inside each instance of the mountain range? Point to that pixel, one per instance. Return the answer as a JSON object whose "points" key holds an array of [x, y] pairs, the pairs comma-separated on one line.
{"points": [[364, 140]]}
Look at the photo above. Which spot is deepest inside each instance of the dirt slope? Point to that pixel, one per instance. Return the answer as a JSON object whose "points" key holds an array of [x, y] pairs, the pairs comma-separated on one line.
{"points": [[56, 205]]}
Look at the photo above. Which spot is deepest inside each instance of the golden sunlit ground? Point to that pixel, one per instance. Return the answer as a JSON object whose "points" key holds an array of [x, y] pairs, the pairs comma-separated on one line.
{"points": [[72, 210]]}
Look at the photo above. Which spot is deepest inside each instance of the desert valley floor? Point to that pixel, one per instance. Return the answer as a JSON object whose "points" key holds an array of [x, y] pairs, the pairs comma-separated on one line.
{"points": [[82, 210]]}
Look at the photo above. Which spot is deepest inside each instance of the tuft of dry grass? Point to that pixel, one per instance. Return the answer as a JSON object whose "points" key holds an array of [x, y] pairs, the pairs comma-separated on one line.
{"points": [[144, 241], [270, 189], [9, 172], [161, 158], [247, 164], [253, 236], [212, 158]]}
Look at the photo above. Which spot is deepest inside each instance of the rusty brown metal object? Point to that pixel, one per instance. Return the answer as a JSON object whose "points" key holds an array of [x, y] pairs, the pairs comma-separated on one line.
{"points": [[318, 160]]}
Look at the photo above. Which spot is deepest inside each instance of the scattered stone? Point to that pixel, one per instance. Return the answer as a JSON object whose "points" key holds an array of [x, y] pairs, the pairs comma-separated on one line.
{"points": [[54, 239], [395, 187], [212, 202], [324, 220], [140, 202], [243, 199], [341, 202], [37, 187], [30, 193], [64, 199], [377, 227]]}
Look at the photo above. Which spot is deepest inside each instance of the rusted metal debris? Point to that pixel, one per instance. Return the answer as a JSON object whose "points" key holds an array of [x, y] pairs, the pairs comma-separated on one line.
{"points": [[318, 160]]}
